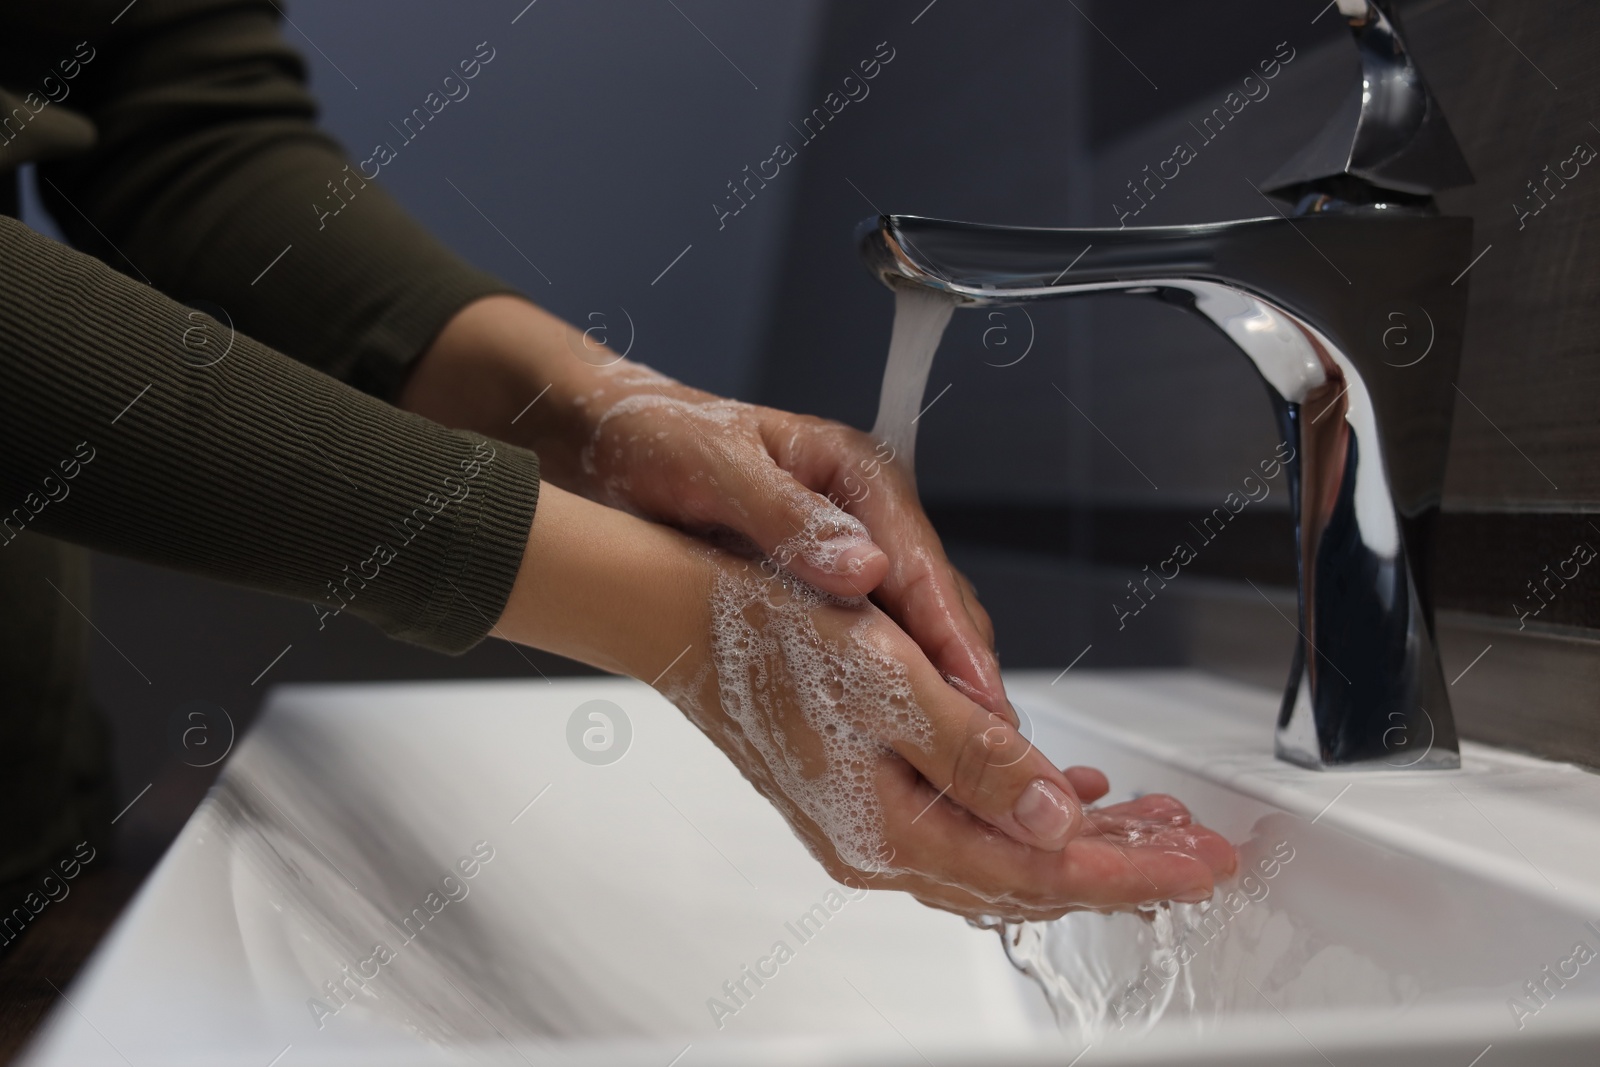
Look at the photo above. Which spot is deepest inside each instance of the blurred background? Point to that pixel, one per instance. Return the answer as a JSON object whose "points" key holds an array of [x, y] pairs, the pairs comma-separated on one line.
{"points": [[1067, 447]]}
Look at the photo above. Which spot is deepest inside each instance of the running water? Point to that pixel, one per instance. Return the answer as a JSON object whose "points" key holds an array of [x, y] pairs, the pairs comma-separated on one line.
{"points": [[1103, 971], [1098, 972], [1109, 972], [920, 316]]}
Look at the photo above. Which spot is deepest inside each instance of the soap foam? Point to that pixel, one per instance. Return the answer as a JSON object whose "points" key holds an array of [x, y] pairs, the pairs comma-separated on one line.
{"points": [[769, 660], [828, 533], [608, 448]]}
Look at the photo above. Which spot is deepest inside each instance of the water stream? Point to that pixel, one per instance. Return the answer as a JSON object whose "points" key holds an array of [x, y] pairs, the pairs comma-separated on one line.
{"points": [[920, 316], [1098, 972], [1109, 972]]}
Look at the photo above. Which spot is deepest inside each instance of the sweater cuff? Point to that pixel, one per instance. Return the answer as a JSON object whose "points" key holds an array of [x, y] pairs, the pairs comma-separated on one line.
{"points": [[478, 565], [392, 344]]}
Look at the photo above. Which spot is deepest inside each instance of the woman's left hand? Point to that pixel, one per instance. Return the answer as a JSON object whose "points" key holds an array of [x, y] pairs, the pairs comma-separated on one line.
{"points": [[825, 501]]}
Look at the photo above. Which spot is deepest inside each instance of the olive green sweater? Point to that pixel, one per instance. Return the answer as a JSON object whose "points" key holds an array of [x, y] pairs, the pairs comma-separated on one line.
{"points": [[176, 148], [183, 156]]}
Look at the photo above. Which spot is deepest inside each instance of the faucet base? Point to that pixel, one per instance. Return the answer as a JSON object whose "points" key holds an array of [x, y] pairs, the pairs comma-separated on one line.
{"points": [[1433, 760]]}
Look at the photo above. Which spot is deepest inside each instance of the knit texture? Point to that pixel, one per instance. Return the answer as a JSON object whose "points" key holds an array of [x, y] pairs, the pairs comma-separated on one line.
{"points": [[135, 425], [209, 179], [202, 175]]}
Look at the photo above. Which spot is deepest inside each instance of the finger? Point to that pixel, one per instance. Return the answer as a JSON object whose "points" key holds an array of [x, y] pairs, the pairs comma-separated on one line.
{"points": [[924, 593], [1149, 807], [1161, 822], [729, 479], [982, 762], [948, 845], [1108, 875], [802, 531], [1088, 783], [974, 608], [921, 591]]}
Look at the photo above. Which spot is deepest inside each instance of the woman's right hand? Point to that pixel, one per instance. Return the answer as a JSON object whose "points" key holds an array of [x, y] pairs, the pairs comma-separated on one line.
{"points": [[891, 777]]}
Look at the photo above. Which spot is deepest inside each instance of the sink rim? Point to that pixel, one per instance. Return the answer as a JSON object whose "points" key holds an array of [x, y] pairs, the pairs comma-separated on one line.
{"points": [[1363, 803]]}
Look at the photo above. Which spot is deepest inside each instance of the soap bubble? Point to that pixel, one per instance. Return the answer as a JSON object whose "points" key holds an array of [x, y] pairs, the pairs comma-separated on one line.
{"points": [[853, 698]]}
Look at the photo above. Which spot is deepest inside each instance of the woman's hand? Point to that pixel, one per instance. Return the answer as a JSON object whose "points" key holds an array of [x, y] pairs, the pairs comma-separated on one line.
{"points": [[826, 502], [891, 777], [895, 780]]}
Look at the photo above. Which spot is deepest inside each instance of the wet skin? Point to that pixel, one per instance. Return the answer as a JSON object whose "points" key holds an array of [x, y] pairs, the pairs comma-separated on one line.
{"points": [[632, 459]]}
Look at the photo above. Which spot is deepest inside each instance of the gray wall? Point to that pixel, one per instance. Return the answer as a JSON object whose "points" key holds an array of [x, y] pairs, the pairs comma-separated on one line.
{"points": [[595, 142]]}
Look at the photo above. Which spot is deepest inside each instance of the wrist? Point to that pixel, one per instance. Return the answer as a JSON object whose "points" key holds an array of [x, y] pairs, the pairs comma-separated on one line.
{"points": [[608, 589], [507, 368]]}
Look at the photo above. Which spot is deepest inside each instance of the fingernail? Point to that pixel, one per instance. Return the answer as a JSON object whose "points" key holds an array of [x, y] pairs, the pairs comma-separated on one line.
{"points": [[1193, 896], [852, 560], [1045, 811]]}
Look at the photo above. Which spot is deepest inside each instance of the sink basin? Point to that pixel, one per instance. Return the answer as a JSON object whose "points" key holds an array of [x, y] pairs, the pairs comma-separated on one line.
{"points": [[488, 872]]}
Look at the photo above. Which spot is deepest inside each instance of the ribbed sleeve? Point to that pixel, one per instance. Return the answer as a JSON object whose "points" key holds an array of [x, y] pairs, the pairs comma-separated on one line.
{"points": [[132, 424], [208, 168]]}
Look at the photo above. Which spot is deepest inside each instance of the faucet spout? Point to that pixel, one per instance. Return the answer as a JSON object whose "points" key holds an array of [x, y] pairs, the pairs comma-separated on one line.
{"points": [[1352, 312], [1354, 319]]}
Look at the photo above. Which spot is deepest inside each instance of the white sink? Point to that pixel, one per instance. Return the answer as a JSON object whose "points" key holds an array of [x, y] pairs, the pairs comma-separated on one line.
{"points": [[611, 911]]}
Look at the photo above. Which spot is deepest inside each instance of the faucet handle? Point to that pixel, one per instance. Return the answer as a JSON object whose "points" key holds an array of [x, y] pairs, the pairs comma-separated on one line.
{"points": [[1388, 137]]}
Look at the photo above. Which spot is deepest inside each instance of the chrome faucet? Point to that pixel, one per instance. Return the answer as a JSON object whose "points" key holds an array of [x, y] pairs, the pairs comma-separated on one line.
{"points": [[1352, 309]]}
